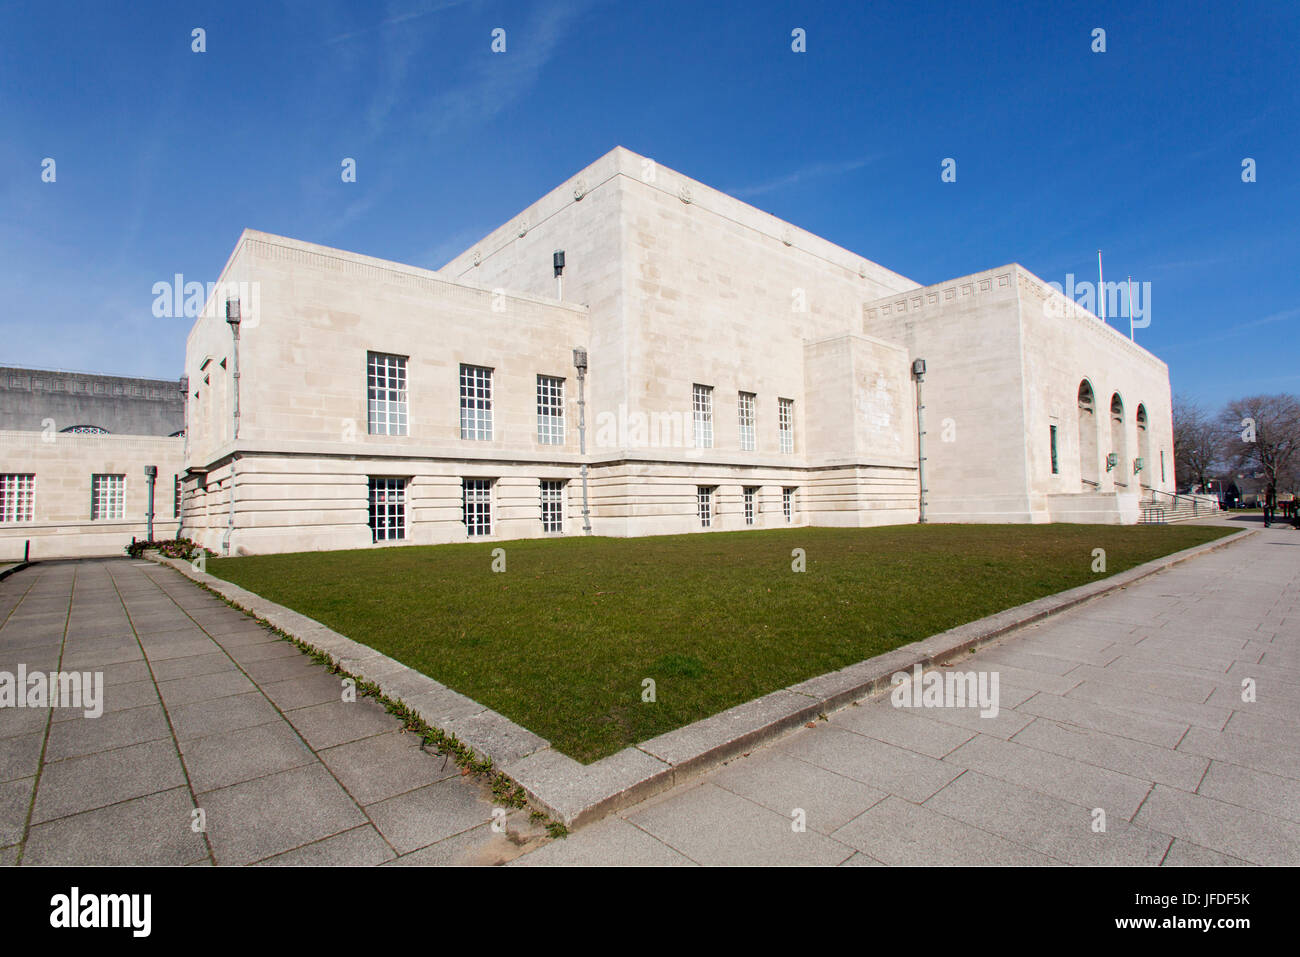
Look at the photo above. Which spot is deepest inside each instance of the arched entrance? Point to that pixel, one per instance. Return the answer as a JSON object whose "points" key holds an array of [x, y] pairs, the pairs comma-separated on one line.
{"points": [[1088, 438], [1119, 442], [1144, 447]]}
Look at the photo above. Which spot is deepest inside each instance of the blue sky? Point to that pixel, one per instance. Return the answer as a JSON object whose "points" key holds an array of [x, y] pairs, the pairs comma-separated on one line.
{"points": [[163, 155]]}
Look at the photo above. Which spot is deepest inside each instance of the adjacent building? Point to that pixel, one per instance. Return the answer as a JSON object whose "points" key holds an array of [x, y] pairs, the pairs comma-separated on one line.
{"points": [[74, 448]]}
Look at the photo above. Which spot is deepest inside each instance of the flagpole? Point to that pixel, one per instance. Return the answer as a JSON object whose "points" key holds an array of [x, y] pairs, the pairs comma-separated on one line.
{"points": [[1130, 308], [1101, 290]]}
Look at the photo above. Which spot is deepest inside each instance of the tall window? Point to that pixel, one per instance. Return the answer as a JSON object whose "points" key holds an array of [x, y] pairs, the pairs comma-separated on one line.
{"points": [[477, 505], [107, 497], [552, 506], [750, 492], [787, 503], [702, 402], [176, 496], [475, 403], [550, 410], [1055, 465], [386, 394], [704, 504], [387, 509], [785, 421], [745, 405], [17, 497]]}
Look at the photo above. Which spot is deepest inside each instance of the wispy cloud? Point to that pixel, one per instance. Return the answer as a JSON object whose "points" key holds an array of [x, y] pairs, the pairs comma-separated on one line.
{"points": [[1236, 331], [395, 19], [803, 175]]}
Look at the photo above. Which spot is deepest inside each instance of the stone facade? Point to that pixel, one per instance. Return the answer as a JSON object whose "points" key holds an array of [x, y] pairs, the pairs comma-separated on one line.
{"points": [[684, 300]]}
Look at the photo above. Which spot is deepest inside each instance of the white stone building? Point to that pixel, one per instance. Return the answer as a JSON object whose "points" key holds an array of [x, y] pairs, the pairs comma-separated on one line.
{"points": [[743, 373]]}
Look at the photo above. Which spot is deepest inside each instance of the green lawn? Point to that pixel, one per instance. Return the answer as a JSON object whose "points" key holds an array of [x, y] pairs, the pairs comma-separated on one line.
{"points": [[561, 641]]}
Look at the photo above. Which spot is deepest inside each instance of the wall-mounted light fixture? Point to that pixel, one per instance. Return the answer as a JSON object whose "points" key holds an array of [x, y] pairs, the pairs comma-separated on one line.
{"points": [[1112, 460]]}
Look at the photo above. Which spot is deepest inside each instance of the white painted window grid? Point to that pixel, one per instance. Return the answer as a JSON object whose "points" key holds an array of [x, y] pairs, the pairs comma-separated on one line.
{"points": [[550, 410], [552, 505], [475, 403], [745, 409], [702, 403], [704, 504], [17, 497], [387, 509], [477, 506], [787, 503], [386, 409], [750, 509], [785, 420], [107, 497]]}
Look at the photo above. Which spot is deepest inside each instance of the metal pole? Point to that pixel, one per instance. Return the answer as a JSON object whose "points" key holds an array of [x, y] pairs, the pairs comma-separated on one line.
{"points": [[1101, 289], [150, 476], [918, 368], [1130, 308], [582, 447]]}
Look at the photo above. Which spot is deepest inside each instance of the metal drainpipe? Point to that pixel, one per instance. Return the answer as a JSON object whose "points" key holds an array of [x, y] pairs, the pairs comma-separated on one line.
{"points": [[918, 370]]}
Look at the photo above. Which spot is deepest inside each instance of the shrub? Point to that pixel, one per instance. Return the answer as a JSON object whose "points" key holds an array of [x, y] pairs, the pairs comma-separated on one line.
{"points": [[181, 548]]}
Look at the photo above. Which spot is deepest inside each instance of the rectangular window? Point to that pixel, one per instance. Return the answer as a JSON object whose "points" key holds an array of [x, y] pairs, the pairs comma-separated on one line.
{"points": [[1055, 466], [477, 505], [552, 506], [107, 497], [750, 492], [550, 410], [787, 503], [17, 497], [176, 496], [386, 394], [1162, 468], [475, 403], [704, 504], [745, 406], [387, 509], [785, 420], [702, 402]]}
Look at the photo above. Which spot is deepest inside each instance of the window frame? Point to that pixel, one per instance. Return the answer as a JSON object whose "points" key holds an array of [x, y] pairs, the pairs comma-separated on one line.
{"points": [[785, 425], [395, 509], [387, 394], [552, 493], [17, 497], [482, 526], [702, 415], [476, 423], [704, 505], [114, 496], [550, 396], [747, 402]]}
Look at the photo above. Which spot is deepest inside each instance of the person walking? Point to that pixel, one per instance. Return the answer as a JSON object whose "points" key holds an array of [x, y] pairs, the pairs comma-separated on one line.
{"points": [[1270, 503]]}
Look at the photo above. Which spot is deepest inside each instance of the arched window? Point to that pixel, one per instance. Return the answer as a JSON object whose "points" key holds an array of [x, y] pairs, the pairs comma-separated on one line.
{"points": [[177, 435], [1144, 447], [1119, 442], [85, 430], [1088, 466]]}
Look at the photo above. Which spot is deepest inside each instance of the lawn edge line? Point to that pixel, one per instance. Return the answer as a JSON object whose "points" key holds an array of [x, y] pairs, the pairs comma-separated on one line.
{"points": [[578, 794], [505, 790]]}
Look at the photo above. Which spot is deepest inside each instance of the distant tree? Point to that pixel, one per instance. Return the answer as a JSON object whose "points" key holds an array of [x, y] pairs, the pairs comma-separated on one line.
{"points": [[1198, 443], [1262, 434]]}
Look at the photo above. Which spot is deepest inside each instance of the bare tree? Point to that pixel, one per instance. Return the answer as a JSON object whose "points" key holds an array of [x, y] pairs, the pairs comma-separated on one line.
{"points": [[1198, 443], [1263, 433]]}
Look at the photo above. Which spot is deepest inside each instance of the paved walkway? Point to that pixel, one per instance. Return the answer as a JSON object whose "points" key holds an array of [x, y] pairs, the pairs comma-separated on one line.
{"points": [[1131, 704], [204, 709]]}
